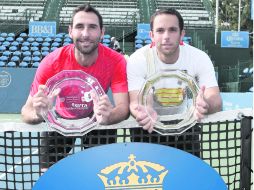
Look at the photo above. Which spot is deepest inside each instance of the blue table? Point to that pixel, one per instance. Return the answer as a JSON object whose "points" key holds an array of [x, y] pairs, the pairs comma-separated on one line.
{"points": [[133, 166]]}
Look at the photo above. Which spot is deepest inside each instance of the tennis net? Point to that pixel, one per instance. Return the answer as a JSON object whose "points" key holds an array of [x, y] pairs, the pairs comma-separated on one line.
{"points": [[223, 140]]}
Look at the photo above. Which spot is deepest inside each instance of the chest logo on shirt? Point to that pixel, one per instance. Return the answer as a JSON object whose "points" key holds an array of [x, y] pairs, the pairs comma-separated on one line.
{"points": [[169, 96]]}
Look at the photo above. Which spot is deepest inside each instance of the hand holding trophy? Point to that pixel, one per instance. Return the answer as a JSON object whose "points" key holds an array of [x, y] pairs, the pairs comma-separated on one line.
{"points": [[171, 94], [70, 102]]}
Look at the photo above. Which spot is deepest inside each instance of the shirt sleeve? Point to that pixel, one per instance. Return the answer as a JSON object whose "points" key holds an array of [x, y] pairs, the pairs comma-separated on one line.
{"points": [[205, 72], [43, 73], [119, 78], [136, 70]]}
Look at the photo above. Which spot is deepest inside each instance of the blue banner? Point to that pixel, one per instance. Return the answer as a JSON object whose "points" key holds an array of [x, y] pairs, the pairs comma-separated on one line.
{"points": [[42, 29], [143, 31], [236, 100], [131, 166], [233, 39]]}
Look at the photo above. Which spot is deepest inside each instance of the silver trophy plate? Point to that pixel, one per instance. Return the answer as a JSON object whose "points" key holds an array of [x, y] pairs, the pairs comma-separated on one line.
{"points": [[71, 110], [169, 98]]}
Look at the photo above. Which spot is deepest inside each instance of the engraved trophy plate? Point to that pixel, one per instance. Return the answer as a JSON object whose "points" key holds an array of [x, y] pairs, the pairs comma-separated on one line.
{"points": [[169, 98], [71, 110]]}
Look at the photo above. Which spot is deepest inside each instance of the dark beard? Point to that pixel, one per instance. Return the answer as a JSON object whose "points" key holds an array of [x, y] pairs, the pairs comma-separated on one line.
{"points": [[87, 51]]}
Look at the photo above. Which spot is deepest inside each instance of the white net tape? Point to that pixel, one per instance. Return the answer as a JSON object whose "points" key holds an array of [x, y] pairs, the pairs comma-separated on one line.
{"points": [[20, 126]]}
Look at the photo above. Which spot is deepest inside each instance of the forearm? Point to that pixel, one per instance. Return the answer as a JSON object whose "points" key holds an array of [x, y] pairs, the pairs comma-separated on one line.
{"points": [[118, 114], [215, 105]]}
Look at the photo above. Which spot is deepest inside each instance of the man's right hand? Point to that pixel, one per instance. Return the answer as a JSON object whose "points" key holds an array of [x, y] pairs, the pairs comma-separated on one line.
{"points": [[41, 102], [144, 119]]}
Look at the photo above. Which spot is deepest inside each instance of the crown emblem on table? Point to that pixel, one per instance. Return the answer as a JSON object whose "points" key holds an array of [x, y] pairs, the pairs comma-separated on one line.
{"points": [[133, 175]]}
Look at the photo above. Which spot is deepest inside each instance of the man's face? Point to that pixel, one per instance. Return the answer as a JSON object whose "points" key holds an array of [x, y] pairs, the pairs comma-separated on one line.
{"points": [[166, 34], [86, 32]]}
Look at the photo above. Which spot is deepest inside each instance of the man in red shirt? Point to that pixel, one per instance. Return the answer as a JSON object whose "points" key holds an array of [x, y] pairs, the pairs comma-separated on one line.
{"points": [[89, 55]]}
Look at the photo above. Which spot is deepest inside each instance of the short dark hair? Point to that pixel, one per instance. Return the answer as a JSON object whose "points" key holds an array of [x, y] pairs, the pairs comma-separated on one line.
{"points": [[169, 11], [87, 8]]}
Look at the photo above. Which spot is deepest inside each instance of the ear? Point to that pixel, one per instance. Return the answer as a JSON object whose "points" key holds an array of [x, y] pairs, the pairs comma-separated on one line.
{"points": [[182, 34], [70, 31], [151, 35], [102, 32], [152, 38]]}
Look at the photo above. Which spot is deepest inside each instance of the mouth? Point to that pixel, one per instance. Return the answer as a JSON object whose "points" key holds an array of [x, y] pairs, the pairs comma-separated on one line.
{"points": [[167, 46], [84, 43]]}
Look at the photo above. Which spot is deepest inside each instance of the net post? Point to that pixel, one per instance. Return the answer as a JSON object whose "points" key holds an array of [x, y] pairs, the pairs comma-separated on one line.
{"points": [[245, 175]]}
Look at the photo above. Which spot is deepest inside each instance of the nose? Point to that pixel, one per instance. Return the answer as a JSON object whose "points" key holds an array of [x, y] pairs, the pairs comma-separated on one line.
{"points": [[85, 31], [166, 36]]}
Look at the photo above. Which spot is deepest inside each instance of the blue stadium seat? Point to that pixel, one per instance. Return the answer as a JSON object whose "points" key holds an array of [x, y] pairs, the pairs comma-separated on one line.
{"points": [[9, 39], [60, 35], [30, 39], [4, 35], [36, 59], [45, 49], [51, 36], [26, 44], [4, 58], [138, 41], [44, 53], [137, 46], [37, 53], [105, 40], [35, 44], [27, 59], [7, 53], [2, 48], [59, 40], [68, 40], [48, 39], [2, 64], [24, 48], [17, 53], [39, 40], [148, 41], [15, 43], [11, 64], [23, 64], [45, 44], [13, 48], [66, 43], [11, 34], [23, 35], [55, 44], [66, 35], [35, 64], [6, 43], [15, 59], [34, 48], [2, 39], [27, 53], [106, 36], [53, 48], [20, 40]]}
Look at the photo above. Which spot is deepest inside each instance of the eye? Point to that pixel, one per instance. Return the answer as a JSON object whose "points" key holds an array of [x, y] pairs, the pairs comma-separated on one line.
{"points": [[79, 26], [173, 29], [160, 30]]}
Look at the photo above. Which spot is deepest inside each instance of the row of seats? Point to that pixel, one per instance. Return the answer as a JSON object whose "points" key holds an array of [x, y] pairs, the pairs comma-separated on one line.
{"points": [[27, 50], [140, 42]]}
